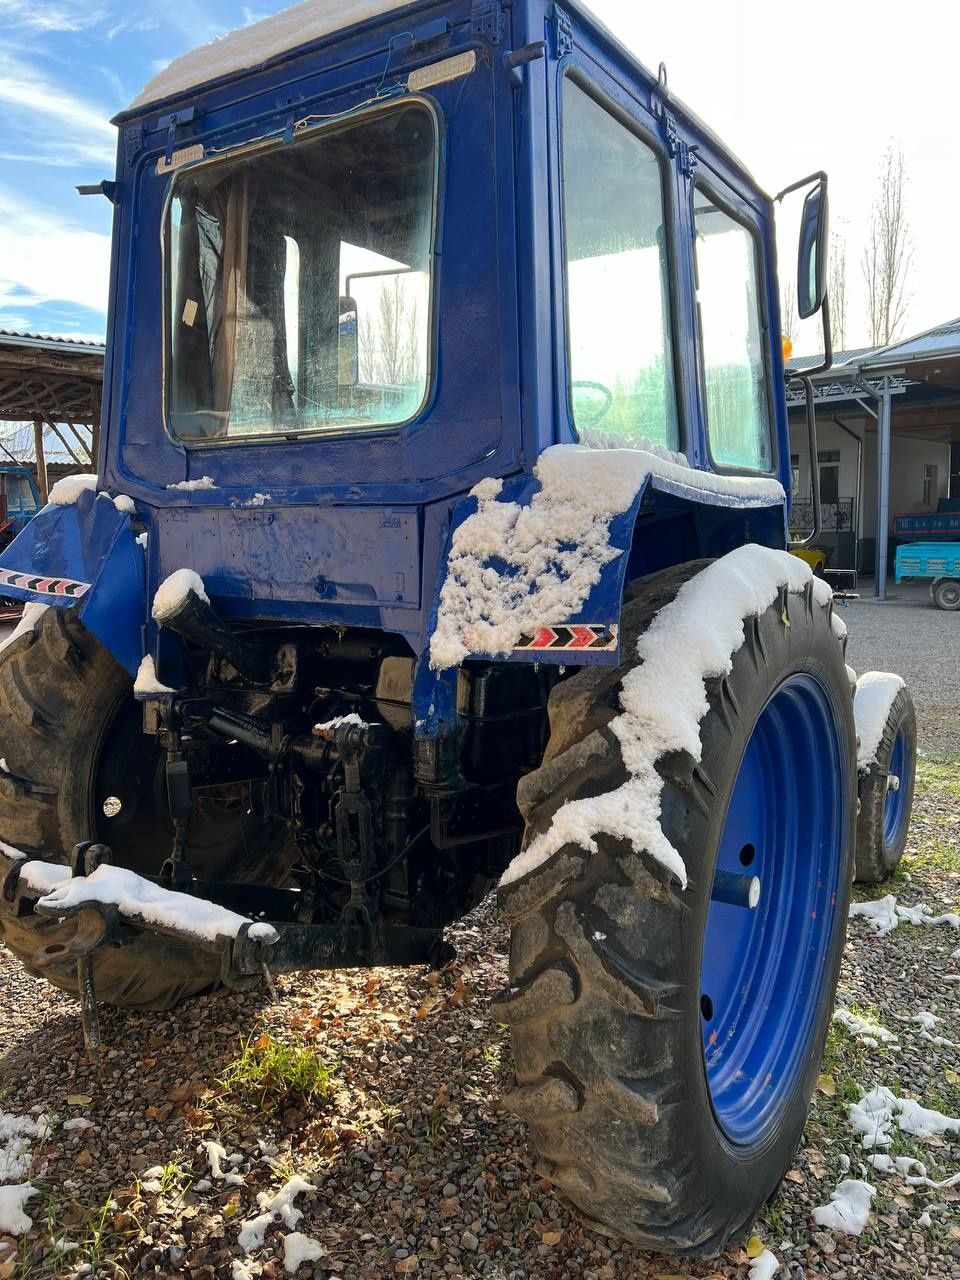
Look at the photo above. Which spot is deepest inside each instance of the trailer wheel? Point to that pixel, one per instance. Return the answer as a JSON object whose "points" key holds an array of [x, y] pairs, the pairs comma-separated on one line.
{"points": [[667, 1043], [71, 737], [946, 594], [886, 794]]}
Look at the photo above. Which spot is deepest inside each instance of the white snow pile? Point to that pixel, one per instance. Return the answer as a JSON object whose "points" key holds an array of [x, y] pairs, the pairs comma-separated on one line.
{"points": [[764, 1266], [552, 552], [277, 1208], [173, 591], [66, 491], [42, 877], [77, 1122], [861, 1029], [253, 45], [298, 1249], [876, 691], [146, 681], [31, 615], [217, 1155], [17, 1136], [849, 1207], [875, 1115], [258, 500], [664, 699], [885, 914], [337, 722], [914, 1172], [123, 502], [139, 899], [191, 486]]}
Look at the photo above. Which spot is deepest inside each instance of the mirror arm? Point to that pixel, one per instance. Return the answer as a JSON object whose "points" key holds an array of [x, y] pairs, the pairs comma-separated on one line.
{"points": [[827, 362], [819, 176], [814, 466]]}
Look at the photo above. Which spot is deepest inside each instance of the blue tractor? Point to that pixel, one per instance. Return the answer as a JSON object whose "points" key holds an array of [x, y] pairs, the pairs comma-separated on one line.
{"points": [[439, 540]]}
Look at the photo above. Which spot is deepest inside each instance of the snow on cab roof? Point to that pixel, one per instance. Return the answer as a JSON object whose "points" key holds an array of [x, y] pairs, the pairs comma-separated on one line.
{"points": [[256, 44]]}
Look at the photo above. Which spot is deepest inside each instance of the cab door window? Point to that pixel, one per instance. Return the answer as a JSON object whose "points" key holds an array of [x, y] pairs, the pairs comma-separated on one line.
{"points": [[617, 279], [731, 336]]}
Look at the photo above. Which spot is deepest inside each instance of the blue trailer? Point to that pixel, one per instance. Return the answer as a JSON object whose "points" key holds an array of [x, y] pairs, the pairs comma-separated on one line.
{"points": [[938, 561], [438, 539]]}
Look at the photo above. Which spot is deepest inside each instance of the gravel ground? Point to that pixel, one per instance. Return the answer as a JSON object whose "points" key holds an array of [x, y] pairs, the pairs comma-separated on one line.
{"points": [[910, 635], [383, 1092]]}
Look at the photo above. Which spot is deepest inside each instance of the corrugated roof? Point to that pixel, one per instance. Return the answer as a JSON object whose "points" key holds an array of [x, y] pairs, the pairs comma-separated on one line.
{"points": [[11, 337], [942, 340], [799, 363]]}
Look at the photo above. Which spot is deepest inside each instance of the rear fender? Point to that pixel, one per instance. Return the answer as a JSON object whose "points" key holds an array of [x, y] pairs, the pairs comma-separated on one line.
{"points": [[83, 556]]}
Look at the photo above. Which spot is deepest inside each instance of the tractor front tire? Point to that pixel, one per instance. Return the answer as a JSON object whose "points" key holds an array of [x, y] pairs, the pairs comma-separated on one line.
{"points": [[61, 697], [618, 976], [886, 794]]}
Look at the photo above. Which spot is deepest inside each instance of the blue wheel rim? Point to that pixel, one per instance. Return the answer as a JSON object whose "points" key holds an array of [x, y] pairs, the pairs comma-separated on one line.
{"points": [[763, 970], [894, 803]]}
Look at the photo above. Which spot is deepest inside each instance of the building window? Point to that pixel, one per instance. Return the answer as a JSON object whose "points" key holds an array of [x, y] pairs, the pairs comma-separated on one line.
{"points": [[931, 485]]}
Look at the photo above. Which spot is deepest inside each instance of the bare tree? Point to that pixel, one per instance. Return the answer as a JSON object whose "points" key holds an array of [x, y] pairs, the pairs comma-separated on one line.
{"points": [[837, 289], [889, 253], [389, 339], [789, 318]]}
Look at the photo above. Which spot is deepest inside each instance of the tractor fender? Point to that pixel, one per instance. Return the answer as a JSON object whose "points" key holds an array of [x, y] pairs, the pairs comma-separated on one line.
{"points": [[83, 556], [725, 511]]}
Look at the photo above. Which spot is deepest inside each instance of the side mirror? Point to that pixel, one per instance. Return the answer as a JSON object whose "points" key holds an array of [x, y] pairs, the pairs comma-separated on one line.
{"points": [[349, 343], [812, 260]]}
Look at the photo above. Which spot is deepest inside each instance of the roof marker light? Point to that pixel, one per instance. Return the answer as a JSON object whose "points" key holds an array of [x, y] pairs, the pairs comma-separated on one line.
{"points": [[440, 72]]}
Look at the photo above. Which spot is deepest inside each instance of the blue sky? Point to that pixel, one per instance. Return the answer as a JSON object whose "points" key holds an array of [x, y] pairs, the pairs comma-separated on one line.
{"points": [[792, 88]]}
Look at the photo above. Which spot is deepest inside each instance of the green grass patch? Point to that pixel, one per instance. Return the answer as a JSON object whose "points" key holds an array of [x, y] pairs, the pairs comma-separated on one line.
{"points": [[275, 1075]]}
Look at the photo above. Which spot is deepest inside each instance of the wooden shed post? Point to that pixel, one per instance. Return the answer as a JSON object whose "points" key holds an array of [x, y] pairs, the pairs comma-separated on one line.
{"points": [[42, 482]]}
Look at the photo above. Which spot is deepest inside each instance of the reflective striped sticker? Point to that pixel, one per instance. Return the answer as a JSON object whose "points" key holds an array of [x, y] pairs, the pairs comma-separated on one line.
{"points": [[576, 637], [43, 586]]}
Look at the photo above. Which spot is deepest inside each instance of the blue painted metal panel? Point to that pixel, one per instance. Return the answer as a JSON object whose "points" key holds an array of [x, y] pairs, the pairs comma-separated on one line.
{"points": [[83, 556]]}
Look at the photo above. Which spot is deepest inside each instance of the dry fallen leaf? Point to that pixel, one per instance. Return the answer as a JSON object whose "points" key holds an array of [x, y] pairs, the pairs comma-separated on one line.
{"points": [[794, 1175], [149, 1062], [754, 1247], [826, 1084], [552, 1237], [406, 1266], [78, 1099], [951, 1076], [7, 1268]]}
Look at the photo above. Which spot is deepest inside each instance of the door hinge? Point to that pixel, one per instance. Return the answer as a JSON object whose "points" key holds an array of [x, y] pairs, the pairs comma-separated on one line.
{"points": [[487, 20], [562, 33], [677, 146]]}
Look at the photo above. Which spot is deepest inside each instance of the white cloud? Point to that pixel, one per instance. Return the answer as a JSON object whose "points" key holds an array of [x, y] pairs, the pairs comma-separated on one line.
{"points": [[46, 123], [66, 15], [45, 257]]}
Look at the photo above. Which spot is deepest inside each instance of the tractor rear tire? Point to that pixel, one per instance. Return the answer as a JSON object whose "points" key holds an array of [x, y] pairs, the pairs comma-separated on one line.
{"points": [[608, 1003], [61, 693], [884, 821]]}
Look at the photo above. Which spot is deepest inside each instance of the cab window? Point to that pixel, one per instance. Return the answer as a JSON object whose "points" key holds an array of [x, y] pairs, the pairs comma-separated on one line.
{"points": [[731, 335], [617, 277]]}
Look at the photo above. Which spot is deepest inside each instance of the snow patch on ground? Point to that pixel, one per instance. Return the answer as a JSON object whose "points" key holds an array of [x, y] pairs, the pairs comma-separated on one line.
{"points": [[78, 1122], [32, 613], [298, 1249], [146, 681], [876, 691], [139, 899], [764, 1266], [190, 486], [664, 698], [277, 1208], [514, 568], [914, 1172], [884, 915], [875, 1115], [862, 1029], [66, 491], [849, 1207], [13, 1220], [173, 591], [217, 1154]]}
